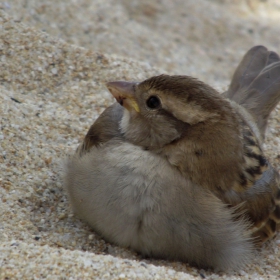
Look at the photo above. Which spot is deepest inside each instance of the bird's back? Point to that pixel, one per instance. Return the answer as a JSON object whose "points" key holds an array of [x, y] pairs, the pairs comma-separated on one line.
{"points": [[256, 87]]}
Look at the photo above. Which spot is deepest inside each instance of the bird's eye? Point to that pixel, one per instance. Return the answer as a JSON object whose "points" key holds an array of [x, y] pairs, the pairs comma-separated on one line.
{"points": [[153, 102]]}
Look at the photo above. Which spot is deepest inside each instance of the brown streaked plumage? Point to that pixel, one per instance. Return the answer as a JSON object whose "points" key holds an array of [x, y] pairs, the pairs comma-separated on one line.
{"points": [[178, 171]]}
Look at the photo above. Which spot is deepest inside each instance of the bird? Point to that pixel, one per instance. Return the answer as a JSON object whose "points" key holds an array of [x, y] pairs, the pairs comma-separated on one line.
{"points": [[175, 170]]}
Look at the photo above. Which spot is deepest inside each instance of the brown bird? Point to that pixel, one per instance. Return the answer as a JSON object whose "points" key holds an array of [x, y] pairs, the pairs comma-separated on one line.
{"points": [[175, 170]]}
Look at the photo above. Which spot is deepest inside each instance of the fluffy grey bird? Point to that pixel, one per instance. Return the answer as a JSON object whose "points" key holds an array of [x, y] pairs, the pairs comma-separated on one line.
{"points": [[175, 170]]}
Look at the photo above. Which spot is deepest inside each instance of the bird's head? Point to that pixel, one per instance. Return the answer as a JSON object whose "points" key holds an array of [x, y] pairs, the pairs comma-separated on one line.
{"points": [[163, 108]]}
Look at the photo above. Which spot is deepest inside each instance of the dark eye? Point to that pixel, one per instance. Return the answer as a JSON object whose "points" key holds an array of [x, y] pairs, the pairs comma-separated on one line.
{"points": [[153, 102]]}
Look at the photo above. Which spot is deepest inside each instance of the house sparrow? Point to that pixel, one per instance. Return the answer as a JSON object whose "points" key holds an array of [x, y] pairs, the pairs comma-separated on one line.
{"points": [[175, 170]]}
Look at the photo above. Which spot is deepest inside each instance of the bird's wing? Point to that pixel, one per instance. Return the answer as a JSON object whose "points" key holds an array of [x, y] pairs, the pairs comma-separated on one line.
{"points": [[104, 129]]}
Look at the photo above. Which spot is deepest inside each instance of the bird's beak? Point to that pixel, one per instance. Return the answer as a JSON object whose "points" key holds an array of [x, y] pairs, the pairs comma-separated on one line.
{"points": [[124, 94]]}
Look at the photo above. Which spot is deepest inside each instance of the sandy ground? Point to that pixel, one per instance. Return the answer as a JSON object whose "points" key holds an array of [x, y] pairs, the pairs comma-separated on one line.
{"points": [[55, 57]]}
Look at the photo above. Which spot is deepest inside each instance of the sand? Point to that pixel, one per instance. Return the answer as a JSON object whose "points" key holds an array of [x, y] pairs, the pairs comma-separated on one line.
{"points": [[55, 57]]}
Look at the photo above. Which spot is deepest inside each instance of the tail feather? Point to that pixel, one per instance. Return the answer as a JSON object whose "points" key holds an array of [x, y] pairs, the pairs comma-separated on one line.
{"points": [[272, 57], [256, 84], [251, 65]]}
